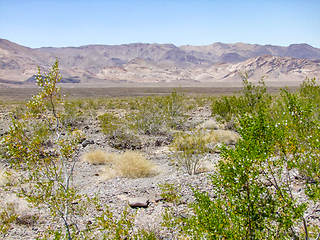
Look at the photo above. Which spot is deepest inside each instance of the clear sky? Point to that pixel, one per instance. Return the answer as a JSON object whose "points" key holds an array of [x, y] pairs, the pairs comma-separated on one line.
{"points": [[62, 23]]}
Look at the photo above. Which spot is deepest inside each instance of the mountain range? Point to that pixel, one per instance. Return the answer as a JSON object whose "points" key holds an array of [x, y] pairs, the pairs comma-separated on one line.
{"points": [[144, 62]]}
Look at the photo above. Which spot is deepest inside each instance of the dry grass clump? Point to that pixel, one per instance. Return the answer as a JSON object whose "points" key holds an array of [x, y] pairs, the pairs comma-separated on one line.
{"points": [[129, 164], [183, 143], [96, 157], [223, 136], [209, 124], [192, 142]]}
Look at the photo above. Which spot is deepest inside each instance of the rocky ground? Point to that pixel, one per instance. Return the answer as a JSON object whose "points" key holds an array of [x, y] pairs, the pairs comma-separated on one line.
{"points": [[118, 193], [141, 196]]}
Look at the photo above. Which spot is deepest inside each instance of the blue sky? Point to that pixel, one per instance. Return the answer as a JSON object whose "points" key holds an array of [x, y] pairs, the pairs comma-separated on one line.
{"points": [[62, 23]]}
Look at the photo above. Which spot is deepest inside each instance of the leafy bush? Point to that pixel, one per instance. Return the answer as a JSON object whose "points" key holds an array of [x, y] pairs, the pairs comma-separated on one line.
{"points": [[243, 207], [111, 124], [117, 130], [170, 192], [301, 142], [72, 113], [175, 106], [190, 150], [154, 114], [225, 108], [149, 118], [251, 98], [49, 172]]}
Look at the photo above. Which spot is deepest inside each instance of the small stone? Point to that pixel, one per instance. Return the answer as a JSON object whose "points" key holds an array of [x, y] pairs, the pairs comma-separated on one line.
{"points": [[158, 199], [87, 142], [142, 189], [122, 197], [138, 202]]}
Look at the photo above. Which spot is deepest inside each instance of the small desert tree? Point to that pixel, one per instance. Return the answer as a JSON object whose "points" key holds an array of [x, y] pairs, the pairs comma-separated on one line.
{"points": [[48, 172]]}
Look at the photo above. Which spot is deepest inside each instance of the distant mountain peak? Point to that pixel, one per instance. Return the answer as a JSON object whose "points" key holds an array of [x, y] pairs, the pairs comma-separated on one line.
{"points": [[159, 62]]}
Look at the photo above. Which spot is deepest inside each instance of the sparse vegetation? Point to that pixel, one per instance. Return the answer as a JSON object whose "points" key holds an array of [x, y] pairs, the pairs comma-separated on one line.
{"points": [[265, 185], [254, 182], [45, 175], [170, 192], [8, 216]]}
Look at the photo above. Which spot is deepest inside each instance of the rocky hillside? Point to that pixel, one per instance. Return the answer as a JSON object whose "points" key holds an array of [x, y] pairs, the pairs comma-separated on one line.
{"points": [[275, 68], [141, 62]]}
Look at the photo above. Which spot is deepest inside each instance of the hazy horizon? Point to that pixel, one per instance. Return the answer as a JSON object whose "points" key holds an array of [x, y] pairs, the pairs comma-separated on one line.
{"points": [[155, 43], [71, 23]]}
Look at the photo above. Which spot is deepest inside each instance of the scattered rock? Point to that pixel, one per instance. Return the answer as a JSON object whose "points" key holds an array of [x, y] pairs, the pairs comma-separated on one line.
{"points": [[138, 202], [122, 197], [87, 142], [163, 141]]}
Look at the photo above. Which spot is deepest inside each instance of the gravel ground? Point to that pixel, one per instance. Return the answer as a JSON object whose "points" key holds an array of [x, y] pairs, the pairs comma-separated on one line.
{"points": [[117, 192]]}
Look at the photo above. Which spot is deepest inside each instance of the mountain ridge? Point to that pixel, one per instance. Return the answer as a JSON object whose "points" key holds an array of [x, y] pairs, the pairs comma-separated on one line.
{"points": [[159, 62]]}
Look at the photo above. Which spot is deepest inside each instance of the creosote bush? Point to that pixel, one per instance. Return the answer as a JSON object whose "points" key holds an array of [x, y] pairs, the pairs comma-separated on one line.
{"points": [[227, 108], [118, 132], [150, 115], [46, 176], [189, 150]]}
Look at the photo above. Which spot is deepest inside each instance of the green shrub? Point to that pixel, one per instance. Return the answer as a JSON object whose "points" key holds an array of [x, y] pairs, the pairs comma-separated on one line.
{"points": [[118, 131], [156, 115], [251, 98], [244, 207], [170, 192], [175, 106], [190, 150], [225, 108], [111, 124], [149, 117], [72, 113]]}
